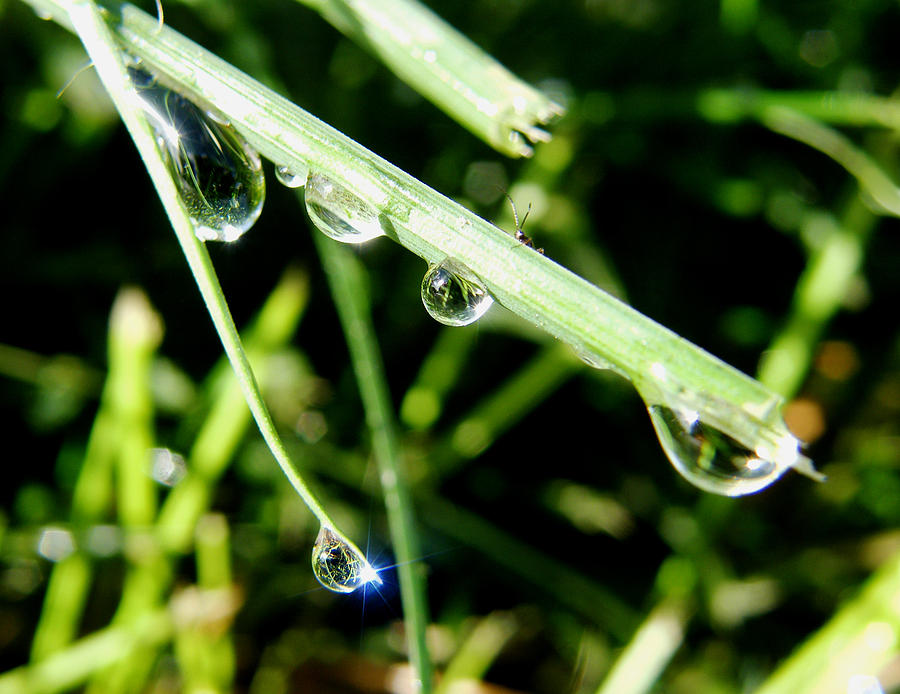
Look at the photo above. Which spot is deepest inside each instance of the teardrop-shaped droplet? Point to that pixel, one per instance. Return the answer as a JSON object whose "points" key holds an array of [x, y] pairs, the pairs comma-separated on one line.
{"points": [[593, 360], [338, 565], [710, 459], [291, 178], [338, 213], [453, 295], [218, 175]]}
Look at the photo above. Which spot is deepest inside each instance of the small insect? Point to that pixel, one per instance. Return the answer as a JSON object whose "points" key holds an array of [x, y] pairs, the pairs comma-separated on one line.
{"points": [[520, 235]]}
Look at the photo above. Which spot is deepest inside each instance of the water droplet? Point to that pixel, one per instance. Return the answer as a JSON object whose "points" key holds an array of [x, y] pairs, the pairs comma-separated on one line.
{"points": [[709, 458], [338, 565], [338, 213], [291, 178], [453, 295], [218, 175], [593, 360]]}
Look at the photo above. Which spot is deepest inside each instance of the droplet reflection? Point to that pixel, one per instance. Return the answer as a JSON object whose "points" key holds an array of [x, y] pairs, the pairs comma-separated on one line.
{"points": [[452, 294], [707, 457], [338, 213], [291, 178], [338, 565], [218, 175]]}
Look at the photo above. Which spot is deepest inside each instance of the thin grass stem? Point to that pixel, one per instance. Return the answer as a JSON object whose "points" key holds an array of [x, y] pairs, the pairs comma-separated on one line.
{"points": [[446, 68], [89, 24], [345, 278]]}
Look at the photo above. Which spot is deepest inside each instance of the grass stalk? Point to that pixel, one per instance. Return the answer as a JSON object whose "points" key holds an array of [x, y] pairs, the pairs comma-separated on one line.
{"points": [[423, 402], [859, 639], [552, 366], [870, 176], [345, 278], [203, 643], [432, 226], [639, 666], [477, 652], [92, 29], [73, 665], [446, 68], [858, 109], [818, 295], [119, 435], [569, 587], [227, 422]]}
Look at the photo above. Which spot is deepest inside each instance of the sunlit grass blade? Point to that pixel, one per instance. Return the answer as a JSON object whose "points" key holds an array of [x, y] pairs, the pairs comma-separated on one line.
{"points": [[447, 68], [120, 433], [345, 277], [92, 29], [662, 365], [819, 294], [859, 639], [73, 665]]}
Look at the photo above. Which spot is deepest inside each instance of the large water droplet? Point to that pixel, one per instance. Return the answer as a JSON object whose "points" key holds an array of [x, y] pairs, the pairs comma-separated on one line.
{"points": [[709, 458], [453, 295], [218, 175], [338, 565], [291, 178], [338, 213]]}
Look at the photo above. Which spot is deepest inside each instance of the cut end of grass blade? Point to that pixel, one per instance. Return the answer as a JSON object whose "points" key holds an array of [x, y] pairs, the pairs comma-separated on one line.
{"points": [[805, 467]]}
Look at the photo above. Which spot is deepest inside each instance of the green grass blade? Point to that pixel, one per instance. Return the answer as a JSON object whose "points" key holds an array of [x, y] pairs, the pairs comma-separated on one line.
{"points": [[446, 68], [434, 227], [860, 639], [94, 33], [345, 278]]}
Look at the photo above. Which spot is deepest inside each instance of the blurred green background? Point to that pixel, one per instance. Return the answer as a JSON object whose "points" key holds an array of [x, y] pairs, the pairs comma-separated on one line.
{"points": [[558, 523]]}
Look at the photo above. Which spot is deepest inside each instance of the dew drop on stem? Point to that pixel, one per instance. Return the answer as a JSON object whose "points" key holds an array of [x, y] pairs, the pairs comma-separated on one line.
{"points": [[291, 178], [338, 213], [708, 458], [338, 565], [453, 295], [218, 176]]}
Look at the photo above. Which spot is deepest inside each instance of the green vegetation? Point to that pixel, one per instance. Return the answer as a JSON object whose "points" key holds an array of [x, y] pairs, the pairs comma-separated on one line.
{"points": [[560, 549]]}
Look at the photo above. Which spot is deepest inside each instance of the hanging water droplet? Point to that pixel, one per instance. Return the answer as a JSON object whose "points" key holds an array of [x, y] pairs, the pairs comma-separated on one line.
{"points": [[338, 565], [218, 175], [338, 213], [594, 360], [453, 295], [709, 458], [291, 178]]}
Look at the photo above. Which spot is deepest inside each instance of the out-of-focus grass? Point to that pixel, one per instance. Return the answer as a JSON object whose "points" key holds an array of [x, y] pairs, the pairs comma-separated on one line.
{"points": [[712, 227]]}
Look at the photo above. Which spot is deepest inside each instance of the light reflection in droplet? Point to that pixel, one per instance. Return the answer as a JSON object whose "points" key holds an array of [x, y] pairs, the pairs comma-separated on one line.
{"points": [[218, 176], [291, 178], [338, 565], [339, 213], [452, 294]]}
